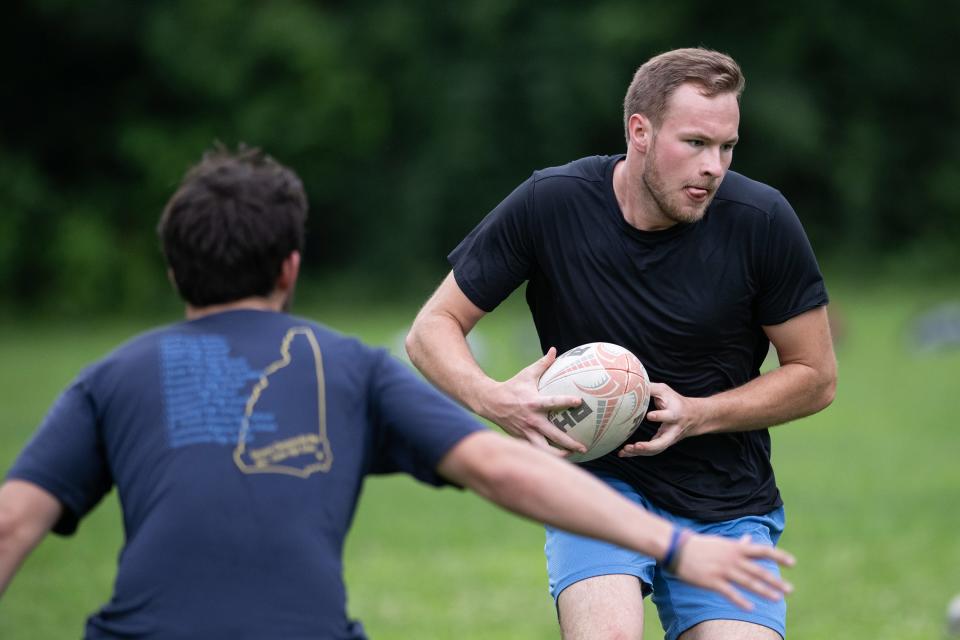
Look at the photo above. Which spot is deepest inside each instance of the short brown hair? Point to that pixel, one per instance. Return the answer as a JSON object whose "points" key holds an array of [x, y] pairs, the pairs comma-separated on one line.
{"points": [[230, 225], [657, 79]]}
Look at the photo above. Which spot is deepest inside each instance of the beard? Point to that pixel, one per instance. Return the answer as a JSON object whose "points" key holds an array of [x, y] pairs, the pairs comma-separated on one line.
{"points": [[673, 205]]}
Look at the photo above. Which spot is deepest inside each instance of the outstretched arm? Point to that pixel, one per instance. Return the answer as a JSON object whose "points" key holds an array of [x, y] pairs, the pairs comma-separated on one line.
{"points": [[530, 483], [27, 513], [804, 383], [437, 346]]}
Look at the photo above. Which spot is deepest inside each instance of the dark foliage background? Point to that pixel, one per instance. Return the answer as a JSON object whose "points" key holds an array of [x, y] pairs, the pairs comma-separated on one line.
{"points": [[409, 120]]}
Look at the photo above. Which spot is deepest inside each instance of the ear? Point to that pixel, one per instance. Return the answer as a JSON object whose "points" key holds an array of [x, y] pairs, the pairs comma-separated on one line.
{"points": [[289, 271], [640, 132]]}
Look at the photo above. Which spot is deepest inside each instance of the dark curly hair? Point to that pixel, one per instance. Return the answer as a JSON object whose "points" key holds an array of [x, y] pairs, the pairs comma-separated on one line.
{"points": [[234, 219]]}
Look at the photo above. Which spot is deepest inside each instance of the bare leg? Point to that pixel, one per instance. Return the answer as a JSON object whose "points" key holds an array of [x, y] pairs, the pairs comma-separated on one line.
{"points": [[602, 608], [729, 630]]}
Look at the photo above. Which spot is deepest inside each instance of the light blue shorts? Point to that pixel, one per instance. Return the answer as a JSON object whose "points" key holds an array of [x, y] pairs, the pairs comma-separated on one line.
{"points": [[571, 558]]}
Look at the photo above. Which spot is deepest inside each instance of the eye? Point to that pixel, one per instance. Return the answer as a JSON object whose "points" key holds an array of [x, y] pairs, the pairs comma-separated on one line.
{"points": [[695, 143], [727, 146]]}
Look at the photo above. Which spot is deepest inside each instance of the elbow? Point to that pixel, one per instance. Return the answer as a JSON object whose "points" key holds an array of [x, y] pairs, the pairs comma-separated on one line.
{"points": [[827, 389], [495, 479], [830, 393], [494, 468], [412, 343]]}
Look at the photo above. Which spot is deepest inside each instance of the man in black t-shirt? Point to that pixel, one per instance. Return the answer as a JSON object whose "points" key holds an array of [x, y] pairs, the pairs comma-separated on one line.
{"points": [[696, 270]]}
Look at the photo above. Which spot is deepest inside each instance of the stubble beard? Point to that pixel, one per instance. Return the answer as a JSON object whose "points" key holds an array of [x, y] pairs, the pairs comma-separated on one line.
{"points": [[669, 205]]}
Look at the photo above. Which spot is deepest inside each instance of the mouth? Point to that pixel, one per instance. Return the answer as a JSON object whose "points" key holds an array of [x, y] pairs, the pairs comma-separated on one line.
{"points": [[697, 194]]}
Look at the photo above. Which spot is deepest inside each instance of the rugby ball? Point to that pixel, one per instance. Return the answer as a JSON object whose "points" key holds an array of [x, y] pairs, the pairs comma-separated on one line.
{"points": [[615, 391]]}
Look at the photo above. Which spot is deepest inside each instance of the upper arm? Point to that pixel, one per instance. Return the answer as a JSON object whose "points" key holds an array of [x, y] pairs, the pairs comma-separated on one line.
{"points": [[67, 457], [805, 339], [27, 511], [450, 302]]}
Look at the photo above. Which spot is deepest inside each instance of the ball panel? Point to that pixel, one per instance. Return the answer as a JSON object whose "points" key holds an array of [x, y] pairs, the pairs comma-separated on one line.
{"points": [[615, 391]]}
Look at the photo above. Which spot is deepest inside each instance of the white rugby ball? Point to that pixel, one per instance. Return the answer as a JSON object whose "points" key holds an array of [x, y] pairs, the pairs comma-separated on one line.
{"points": [[615, 391]]}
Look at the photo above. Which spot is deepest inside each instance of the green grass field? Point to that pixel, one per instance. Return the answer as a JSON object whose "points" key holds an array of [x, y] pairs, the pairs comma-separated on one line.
{"points": [[872, 488]]}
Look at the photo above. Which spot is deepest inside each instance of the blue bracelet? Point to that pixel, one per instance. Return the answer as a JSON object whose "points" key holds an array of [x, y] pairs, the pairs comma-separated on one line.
{"points": [[672, 556]]}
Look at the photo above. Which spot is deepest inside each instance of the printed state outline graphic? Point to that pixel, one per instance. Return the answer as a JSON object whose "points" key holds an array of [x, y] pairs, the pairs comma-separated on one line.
{"points": [[315, 443]]}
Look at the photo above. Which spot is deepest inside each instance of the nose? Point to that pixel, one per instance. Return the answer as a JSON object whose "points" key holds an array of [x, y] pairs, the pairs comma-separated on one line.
{"points": [[712, 162]]}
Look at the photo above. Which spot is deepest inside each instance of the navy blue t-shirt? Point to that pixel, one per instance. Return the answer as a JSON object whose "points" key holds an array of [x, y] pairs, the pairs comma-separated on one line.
{"points": [[689, 301], [238, 443]]}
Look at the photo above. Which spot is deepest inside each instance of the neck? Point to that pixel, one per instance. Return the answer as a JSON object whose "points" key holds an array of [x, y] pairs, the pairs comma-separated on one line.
{"points": [[636, 205], [273, 302]]}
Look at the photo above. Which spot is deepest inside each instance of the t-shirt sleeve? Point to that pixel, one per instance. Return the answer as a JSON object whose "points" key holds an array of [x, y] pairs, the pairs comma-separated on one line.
{"points": [[495, 258], [66, 457], [416, 425], [790, 279]]}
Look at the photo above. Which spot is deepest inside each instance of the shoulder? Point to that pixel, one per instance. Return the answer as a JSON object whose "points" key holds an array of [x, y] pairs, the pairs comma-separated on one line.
{"points": [[572, 188], [589, 170], [739, 191], [133, 351], [229, 337]]}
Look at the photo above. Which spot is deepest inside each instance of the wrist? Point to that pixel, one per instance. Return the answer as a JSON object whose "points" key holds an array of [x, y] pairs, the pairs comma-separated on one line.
{"points": [[678, 538], [704, 410], [479, 397]]}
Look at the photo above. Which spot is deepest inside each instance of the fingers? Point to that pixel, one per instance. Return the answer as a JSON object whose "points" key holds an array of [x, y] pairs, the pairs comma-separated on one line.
{"points": [[665, 437], [560, 439], [765, 551], [557, 403], [524, 412], [761, 582], [538, 430], [633, 449], [661, 415], [752, 577], [540, 366], [540, 442], [659, 389], [730, 568], [734, 596], [782, 558], [764, 582]]}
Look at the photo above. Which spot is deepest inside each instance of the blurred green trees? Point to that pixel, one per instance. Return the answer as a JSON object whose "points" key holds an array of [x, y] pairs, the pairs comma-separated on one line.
{"points": [[409, 120]]}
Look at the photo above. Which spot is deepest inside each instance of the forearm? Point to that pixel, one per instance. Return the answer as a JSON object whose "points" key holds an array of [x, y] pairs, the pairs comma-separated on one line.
{"points": [[534, 484], [12, 554], [437, 346], [27, 513], [787, 393], [545, 489]]}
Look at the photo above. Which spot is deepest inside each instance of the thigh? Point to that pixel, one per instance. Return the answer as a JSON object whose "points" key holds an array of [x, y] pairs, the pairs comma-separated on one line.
{"points": [[598, 587], [602, 608], [572, 558], [683, 607], [729, 630]]}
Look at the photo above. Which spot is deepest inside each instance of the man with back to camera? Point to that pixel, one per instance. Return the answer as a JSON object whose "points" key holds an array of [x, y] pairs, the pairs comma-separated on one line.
{"points": [[238, 441], [696, 270]]}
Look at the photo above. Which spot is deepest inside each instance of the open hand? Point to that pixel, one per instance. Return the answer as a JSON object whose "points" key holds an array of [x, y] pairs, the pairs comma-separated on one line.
{"points": [[519, 408], [721, 564], [677, 416]]}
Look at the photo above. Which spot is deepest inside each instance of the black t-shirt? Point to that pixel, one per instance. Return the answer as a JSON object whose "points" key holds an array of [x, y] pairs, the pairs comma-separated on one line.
{"points": [[690, 301]]}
